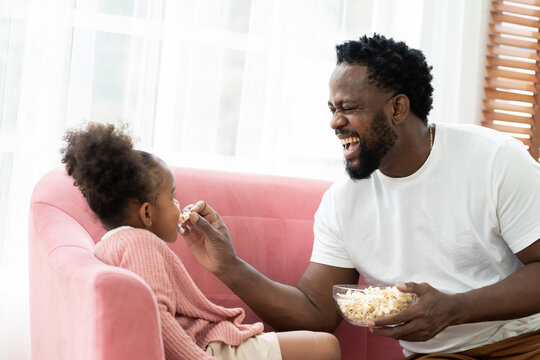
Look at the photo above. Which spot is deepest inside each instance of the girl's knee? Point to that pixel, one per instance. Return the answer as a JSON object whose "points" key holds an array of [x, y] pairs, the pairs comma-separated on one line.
{"points": [[329, 347], [309, 345]]}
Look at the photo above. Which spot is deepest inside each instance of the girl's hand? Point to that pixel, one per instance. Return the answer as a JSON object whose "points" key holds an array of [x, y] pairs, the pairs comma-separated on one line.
{"points": [[208, 238]]}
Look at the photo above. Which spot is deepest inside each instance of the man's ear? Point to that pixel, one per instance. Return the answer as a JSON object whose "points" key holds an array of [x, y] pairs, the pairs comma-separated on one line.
{"points": [[145, 214], [400, 109]]}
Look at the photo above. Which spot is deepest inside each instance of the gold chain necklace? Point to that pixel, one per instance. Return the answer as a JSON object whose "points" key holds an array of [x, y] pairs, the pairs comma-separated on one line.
{"points": [[430, 137]]}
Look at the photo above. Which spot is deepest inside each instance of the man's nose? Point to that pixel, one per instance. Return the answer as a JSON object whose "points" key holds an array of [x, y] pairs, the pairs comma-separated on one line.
{"points": [[338, 120]]}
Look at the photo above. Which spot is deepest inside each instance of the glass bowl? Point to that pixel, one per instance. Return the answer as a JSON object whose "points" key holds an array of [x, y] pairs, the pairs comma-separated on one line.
{"points": [[359, 304]]}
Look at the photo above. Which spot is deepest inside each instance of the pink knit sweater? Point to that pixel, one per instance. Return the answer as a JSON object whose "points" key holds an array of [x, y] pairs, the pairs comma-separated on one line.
{"points": [[189, 321]]}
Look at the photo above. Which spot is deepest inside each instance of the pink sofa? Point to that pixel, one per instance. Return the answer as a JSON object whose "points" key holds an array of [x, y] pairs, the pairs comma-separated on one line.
{"points": [[81, 308]]}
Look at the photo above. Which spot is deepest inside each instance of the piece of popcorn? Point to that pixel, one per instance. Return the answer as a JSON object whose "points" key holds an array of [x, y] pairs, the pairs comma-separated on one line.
{"points": [[184, 216]]}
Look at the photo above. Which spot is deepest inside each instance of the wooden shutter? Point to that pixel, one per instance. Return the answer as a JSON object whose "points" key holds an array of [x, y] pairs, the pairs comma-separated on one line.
{"points": [[512, 71]]}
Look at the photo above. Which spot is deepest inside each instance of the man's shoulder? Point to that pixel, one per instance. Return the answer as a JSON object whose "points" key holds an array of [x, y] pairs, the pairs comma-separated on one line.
{"points": [[473, 132], [474, 141]]}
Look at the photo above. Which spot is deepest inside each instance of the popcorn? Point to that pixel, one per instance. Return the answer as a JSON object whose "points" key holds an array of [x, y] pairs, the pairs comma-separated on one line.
{"points": [[184, 216], [360, 306]]}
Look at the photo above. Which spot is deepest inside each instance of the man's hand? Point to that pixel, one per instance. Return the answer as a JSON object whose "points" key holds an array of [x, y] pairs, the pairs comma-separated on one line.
{"points": [[432, 312], [208, 237], [309, 305]]}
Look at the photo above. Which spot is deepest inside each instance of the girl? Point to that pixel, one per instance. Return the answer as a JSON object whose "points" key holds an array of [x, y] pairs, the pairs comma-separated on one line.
{"points": [[133, 194]]}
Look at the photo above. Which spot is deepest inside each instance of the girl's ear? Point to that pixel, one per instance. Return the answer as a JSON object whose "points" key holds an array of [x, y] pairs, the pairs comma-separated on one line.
{"points": [[145, 214]]}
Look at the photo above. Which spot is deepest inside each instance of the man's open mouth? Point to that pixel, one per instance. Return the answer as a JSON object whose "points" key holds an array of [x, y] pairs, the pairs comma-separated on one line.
{"points": [[350, 145], [348, 141]]}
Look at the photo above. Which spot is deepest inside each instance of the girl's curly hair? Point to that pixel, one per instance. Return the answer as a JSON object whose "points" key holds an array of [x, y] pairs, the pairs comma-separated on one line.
{"points": [[392, 65], [108, 171]]}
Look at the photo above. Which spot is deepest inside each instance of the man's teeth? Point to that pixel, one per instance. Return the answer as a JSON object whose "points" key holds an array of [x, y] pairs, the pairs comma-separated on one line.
{"points": [[349, 140]]}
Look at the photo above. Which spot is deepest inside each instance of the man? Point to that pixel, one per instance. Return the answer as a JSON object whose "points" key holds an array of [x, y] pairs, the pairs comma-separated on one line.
{"points": [[453, 210]]}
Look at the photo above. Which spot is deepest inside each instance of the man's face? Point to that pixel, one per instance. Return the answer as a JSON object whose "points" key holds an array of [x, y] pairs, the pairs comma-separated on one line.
{"points": [[359, 119]]}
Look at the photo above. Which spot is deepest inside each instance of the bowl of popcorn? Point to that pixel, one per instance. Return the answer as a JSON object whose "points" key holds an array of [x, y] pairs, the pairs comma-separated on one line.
{"points": [[359, 304]]}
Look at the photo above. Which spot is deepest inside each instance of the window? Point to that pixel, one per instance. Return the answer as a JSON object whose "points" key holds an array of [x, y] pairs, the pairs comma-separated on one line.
{"points": [[512, 71]]}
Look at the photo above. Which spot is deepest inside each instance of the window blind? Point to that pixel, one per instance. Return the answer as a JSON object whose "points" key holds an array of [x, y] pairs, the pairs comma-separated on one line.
{"points": [[512, 71]]}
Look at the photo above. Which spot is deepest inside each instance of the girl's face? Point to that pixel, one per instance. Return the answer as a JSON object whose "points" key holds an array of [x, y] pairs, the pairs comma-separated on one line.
{"points": [[165, 211]]}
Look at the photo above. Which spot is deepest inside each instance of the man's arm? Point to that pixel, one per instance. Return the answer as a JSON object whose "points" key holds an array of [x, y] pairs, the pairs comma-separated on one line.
{"points": [[309, 305], [516, 296]]}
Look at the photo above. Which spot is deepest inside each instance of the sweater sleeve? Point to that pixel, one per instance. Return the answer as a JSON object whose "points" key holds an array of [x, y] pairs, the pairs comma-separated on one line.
{"points": [[148, 259], [178, 345]]}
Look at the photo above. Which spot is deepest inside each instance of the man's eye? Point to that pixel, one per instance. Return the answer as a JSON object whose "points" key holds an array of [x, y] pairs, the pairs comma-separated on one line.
{"points": [[332, 111]]}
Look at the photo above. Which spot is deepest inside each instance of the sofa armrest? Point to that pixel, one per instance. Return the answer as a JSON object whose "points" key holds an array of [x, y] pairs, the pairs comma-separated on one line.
{"points": [[81, 308]]}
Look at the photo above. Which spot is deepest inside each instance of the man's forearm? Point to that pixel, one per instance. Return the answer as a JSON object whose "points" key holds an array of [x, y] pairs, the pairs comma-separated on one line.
{"points": [[282, 306], [516, 296]]}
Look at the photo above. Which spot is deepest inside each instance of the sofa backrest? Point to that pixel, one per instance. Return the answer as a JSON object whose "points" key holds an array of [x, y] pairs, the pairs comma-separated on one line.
{"points": [[270, 219]]}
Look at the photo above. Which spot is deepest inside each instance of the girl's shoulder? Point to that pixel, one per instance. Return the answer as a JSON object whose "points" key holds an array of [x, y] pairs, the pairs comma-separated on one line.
{"points": [[128, 237]]}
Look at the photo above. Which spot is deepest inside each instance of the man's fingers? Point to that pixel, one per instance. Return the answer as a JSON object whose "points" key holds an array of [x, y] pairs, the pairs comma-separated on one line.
{"points": [[398, 318], [203, 208], [206, 211], [197, 219], [200, 222], [199, 207], [188, 208], [399, 332], [401, 329], [412, 287]]}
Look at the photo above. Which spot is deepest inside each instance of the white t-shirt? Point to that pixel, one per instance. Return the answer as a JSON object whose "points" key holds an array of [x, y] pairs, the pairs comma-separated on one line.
{"points": [[456, 224]]}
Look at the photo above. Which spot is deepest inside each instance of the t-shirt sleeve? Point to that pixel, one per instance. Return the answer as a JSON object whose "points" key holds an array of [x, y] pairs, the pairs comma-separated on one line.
{"points": [[516, 189], [328, 244]]}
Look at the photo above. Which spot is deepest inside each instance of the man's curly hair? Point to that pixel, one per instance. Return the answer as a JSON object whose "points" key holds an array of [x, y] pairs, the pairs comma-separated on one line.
{"points": [[394, 66], [109, 172]]}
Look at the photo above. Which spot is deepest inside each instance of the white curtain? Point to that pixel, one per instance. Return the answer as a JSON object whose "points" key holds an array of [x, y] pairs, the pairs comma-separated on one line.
{"points": [[236, 85]]}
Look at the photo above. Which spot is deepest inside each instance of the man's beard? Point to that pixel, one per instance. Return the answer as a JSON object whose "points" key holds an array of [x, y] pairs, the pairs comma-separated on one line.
{"points": [[379, 142]]}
